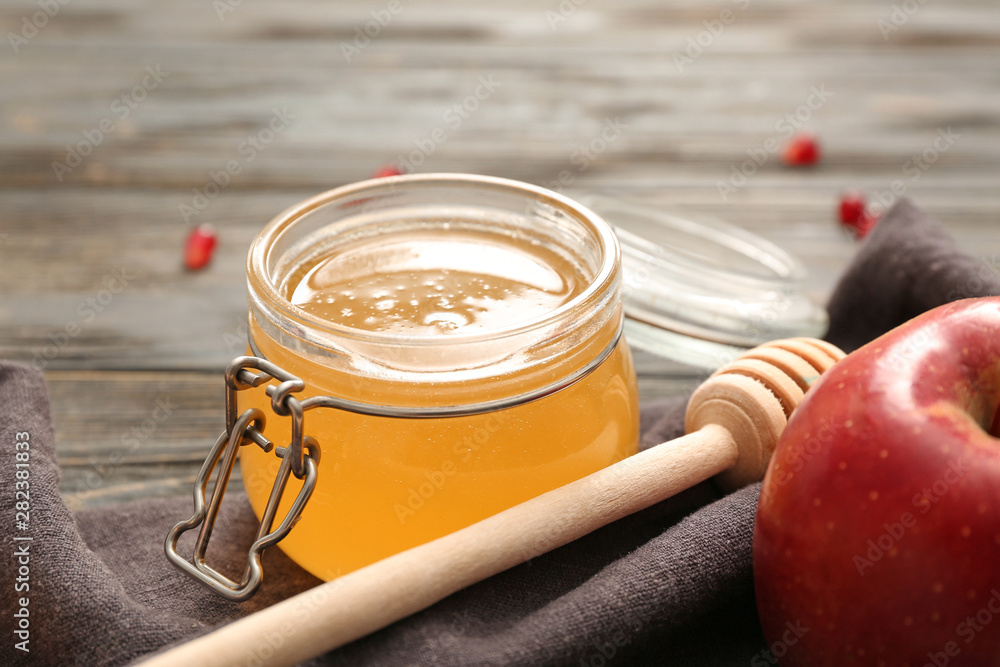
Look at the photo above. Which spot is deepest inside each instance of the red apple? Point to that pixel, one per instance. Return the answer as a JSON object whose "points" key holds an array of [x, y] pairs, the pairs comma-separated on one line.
{"points": [[877, 536]]}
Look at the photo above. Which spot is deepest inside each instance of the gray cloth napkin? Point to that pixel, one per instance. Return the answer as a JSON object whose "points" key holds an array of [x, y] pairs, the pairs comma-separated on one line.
{"points": [[670, 585]]}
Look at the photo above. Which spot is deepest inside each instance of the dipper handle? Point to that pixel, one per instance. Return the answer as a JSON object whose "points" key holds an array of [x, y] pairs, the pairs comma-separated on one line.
{"points": [[733, 419]]}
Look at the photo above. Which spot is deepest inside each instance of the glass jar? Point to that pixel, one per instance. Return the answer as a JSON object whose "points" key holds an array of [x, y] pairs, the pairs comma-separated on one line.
{"points": [[507, 378]]}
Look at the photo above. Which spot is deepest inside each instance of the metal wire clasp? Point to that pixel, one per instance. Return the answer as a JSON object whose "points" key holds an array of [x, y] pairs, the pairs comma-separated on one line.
{"points": [[299, 458]]}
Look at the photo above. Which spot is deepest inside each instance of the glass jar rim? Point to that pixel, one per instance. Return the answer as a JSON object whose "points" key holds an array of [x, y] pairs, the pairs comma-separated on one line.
{"points": [[260, 268]]}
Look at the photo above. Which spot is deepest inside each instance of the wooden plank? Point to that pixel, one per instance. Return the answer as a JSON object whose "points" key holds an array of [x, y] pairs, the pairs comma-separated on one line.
{"points": [[556, 88], [561, 76], [164, 317], [127, 435]]}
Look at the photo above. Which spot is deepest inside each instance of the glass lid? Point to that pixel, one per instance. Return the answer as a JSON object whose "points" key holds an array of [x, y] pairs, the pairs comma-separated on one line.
{"points": [[702, 290]]}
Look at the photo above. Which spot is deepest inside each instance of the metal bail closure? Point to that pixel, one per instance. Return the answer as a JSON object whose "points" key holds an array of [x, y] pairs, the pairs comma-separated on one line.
{"points": [[300, 459]]}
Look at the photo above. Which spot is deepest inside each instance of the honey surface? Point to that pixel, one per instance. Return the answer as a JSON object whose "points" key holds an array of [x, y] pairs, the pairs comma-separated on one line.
{"points": [[432, 283]]}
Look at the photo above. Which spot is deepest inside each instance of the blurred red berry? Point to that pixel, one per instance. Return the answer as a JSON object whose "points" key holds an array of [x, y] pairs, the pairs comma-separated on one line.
{"points": [[388, 170], [865, 224], [199, 247], [856, 215], [802, 150], [852, 207]]}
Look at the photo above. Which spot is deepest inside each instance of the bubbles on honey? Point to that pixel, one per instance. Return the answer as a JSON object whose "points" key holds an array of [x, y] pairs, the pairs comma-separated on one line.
{"points": [[435, 283], [446, 321]]}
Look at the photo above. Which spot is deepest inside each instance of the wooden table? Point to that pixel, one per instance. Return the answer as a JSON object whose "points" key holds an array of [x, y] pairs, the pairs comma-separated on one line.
{"points": [[140, 103]]}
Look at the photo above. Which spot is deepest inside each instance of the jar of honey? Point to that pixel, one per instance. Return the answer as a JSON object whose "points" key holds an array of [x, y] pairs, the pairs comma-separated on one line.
{"points": [[470, 330], [428, 350]]}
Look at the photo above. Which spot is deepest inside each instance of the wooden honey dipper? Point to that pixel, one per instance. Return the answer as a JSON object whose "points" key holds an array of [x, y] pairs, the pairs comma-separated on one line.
{"points": [[733, 422]]}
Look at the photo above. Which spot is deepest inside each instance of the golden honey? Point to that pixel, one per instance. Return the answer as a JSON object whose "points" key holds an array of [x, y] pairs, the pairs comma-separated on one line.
{"points": [[428, 292]]}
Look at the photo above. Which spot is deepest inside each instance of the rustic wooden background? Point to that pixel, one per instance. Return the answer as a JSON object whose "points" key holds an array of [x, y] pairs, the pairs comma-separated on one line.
{"points": [[897, 73]]}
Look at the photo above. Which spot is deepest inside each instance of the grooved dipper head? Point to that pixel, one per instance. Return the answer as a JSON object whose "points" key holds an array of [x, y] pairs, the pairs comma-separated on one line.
{"points": [[753, 397]]}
